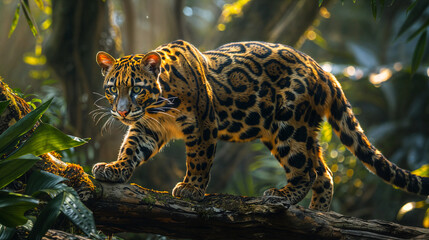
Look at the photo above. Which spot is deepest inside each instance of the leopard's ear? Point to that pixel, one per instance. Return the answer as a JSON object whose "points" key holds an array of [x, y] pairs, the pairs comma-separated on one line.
{"points": [[105, 61], [152, 62]]}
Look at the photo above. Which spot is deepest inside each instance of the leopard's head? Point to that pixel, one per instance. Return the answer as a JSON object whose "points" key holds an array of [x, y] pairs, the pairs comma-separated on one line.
{"points": [[131, 84]]}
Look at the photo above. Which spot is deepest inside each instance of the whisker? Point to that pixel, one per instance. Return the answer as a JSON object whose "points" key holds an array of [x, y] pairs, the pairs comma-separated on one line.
{"points": [[101, 117], [153, 121], [104, 128], [99, 94], [166, 114], [156, 124], [170, 108]]}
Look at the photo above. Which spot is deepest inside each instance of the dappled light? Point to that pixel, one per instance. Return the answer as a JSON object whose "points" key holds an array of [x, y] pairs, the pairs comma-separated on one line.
{"points": [[383, 75]]}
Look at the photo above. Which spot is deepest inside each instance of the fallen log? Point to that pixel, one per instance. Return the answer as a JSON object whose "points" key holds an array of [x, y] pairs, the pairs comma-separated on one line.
{"points": [[131, 208]]}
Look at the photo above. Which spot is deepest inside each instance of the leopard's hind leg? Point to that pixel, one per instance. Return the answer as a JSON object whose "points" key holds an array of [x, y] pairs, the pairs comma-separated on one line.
{"points": [[290, 148], [323, 186]]}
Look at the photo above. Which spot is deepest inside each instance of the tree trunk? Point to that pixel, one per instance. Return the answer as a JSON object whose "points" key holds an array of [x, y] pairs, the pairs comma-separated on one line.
{"points": [[283, 21], [79, 30]]}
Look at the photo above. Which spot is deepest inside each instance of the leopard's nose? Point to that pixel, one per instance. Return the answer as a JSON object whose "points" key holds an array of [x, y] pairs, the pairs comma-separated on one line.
{"points": [[123, 113]]}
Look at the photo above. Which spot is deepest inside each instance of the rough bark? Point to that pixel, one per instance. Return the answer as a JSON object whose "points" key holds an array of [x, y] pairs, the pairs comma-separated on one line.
{"points": [[60, 235], [131, 208]]}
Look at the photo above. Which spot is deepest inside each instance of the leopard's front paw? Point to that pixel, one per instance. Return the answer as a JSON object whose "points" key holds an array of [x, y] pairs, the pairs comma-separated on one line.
{"points": [[186, 190], [108, 172]]}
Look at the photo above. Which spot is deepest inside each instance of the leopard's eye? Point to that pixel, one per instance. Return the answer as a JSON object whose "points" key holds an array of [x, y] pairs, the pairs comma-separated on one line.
{"points": [[137, 89], [113, 89]]}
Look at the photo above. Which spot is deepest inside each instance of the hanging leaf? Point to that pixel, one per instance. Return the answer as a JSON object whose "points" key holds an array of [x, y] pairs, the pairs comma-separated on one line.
{"points": [[47, 217], [13, 206], [320, 3], [14, 21], [418, 53], [29, 18], [79, 214], [412, 5], [413, 16], [419, 30], [47, 138], [22, 126], [374, 8], [3, 105], [12, 169], [40, 4]]}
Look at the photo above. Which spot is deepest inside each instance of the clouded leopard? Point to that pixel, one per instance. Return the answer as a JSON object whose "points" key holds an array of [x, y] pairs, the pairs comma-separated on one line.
{"points": [[239, 92]]}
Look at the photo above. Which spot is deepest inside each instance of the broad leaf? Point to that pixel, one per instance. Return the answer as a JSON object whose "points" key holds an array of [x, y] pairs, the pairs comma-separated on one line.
{"points": [[3, 105], [13, 206], [47, 138], [22, 126], [41, 180], [47, 217], [11, 169], [79, 214], [418, 52]]}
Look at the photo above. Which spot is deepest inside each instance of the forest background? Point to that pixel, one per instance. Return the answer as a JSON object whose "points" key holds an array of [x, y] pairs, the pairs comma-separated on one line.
{"points": [[363, 43]]}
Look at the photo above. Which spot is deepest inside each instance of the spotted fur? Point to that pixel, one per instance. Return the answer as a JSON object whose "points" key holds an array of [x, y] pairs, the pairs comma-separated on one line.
{"points": [[239, 92]]}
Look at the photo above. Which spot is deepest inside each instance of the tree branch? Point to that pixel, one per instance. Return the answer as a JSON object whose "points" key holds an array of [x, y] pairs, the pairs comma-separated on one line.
{"points": [[131, 208]]}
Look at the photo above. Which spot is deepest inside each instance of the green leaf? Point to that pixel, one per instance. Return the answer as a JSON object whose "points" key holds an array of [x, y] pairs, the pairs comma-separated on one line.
{"points": [[47, 138], [11, 169], [14, 21], [412, 5], [79, 214], [41, 180], [413, 16], [22, 126], [419, 30], [418, 53], [320, 3], [423, 171], [29, 18], [13, 206], [3, 105], [374, 8], [47, 217]]}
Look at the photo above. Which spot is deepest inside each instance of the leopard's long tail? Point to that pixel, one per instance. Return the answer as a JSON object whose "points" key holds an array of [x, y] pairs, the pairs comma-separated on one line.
{"points": [[348, 129]]}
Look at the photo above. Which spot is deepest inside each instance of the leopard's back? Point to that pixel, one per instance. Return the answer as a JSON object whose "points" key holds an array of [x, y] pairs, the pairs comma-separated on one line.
{"points": [[258, 85]]}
